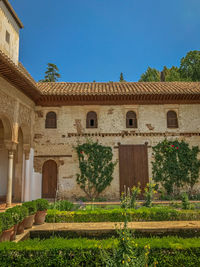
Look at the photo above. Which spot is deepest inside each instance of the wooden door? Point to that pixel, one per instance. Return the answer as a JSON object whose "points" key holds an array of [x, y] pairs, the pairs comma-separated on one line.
{"points": [[49, 179], [133, 166]]}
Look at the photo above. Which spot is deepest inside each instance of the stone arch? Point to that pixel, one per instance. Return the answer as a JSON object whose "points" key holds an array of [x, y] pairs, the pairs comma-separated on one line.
{"points": [[26, 131], [7, 127], [49, 179]]}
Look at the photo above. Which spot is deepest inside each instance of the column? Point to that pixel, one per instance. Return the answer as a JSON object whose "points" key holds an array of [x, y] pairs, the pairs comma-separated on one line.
{"points": [[10, 178], [27, 176]]}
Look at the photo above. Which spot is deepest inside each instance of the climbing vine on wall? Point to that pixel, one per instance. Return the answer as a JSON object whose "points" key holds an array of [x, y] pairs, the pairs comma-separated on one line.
{"points": [[175, 165], [96, 168]]}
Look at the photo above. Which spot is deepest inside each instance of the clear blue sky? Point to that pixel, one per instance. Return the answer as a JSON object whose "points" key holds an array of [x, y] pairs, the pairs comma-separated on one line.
{"points": [[97, 39]]}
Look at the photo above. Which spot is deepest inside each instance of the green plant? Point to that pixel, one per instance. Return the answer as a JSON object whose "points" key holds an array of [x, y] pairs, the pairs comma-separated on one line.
{"points": [[96, 168], [42, 204], [24, 212], [6, 220], [63, 205], [149, 193], [175, 165], [128, 200], [31, 206], [16, 213], [185, 202]]}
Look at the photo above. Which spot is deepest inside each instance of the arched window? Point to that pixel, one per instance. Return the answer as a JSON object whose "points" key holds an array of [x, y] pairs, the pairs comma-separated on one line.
{"points": [[172, 121], [131, 119], [91, 121], [51, 121]]}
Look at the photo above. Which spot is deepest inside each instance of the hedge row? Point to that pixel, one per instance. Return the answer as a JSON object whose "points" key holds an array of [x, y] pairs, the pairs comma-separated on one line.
{"points": [[117, 215], [82, 252]]}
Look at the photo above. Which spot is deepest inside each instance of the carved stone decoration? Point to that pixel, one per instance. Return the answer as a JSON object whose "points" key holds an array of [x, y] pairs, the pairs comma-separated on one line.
{"points": [[24, 115], [78, 126], [7, 105]]}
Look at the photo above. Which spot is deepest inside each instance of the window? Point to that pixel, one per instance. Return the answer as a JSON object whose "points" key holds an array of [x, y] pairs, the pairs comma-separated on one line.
{"points": [[172, 121], [131, 119], [7, 37], [91, 121], [51, 120]]}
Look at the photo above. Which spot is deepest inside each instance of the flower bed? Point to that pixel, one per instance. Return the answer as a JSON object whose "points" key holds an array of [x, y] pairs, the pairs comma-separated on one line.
{"points": [[118, 215], [83, 252]]}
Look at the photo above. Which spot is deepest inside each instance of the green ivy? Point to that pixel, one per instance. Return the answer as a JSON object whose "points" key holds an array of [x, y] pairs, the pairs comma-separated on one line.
{"points": [[96, 168], [175, 165]]}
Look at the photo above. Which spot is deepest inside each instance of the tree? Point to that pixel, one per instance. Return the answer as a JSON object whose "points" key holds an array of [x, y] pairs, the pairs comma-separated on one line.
{"points": [[172, 74], [190, 66], [151, 75], [96, 168], [52, 74], [121, 79]]}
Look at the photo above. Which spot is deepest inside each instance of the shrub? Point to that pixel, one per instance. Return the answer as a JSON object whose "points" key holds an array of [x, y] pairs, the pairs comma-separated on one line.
{"points": [[185, 202], [6, 220], [31, 206], [129, 200], [24, 212], [168, 252], [116, 215], [17, 213], [42, 204], [96, 168]]}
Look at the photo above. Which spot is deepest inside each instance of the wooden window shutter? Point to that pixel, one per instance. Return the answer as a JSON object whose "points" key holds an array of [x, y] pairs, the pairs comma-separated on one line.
{"points": [[172, 120], [131, 119], [51, 120], [91, 121]]}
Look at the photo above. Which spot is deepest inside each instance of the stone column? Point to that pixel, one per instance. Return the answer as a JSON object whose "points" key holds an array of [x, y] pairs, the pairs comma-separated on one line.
{"points": [[10, 178], [11, 146], [27, 174]]}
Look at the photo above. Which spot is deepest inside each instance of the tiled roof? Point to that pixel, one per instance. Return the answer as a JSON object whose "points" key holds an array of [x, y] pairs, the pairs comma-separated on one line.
{"points": [[118, 88], [18, 76]]}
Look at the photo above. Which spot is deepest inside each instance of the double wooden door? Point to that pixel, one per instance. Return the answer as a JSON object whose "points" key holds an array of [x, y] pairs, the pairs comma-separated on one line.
{"points": [[133, 166], [49, 179]]}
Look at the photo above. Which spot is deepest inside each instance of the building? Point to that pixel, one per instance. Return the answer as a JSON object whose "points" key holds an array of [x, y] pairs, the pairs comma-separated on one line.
{"points": [[40, 123]]}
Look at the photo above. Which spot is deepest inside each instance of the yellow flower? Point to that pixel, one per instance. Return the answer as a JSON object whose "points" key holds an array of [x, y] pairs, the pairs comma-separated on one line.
{"points": [[123, 239], [129, 259], [122, 262]]}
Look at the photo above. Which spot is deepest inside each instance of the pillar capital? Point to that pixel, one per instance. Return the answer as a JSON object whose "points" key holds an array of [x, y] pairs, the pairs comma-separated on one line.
{"points": [[10, 146], [27, 149]]}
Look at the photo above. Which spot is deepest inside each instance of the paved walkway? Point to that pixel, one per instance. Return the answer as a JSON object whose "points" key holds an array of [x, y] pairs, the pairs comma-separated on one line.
{"points": [[166, 226]]}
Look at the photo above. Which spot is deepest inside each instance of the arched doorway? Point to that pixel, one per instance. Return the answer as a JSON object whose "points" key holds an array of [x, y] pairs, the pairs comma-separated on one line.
{"points": [[49, 179]]}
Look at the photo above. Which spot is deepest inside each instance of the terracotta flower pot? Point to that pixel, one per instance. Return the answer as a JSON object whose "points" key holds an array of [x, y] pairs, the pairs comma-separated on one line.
{"points": [[5, 236], [28, 221], [13, 235], [40, 216], [20, 229]]}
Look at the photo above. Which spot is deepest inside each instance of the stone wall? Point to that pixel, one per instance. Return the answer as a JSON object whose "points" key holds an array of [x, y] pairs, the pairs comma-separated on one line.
{"points": [[7, 23], [58, 143]]}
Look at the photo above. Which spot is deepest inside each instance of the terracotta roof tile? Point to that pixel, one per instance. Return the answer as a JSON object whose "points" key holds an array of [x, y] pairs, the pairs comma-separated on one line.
{"points": [[117, 88]]}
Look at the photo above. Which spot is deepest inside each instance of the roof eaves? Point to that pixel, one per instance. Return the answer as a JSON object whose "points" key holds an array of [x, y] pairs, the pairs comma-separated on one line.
{"points": [[13, 13]]}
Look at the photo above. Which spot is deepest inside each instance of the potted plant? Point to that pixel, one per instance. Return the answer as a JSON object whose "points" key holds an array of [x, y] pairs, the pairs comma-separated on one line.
{"points": [[7, 226], [42, 206], [23, 214], [17, 217], [28, 221]]}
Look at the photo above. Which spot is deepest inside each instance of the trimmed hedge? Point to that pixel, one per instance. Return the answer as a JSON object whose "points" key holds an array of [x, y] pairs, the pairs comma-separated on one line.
{"points": [[117, 215], [170, 251]]}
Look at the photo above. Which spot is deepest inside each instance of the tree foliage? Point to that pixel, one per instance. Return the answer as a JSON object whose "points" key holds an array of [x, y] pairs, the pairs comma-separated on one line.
{"points": [[175, 165], [96, 168], [150, 75], [121, 79], [51, 74], [190, 66]]}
